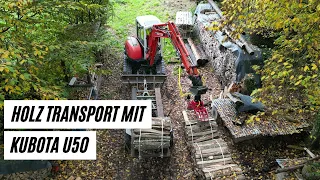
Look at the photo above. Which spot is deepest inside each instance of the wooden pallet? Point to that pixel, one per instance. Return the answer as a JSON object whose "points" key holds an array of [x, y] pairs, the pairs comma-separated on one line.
{"points": [[209, 152]]}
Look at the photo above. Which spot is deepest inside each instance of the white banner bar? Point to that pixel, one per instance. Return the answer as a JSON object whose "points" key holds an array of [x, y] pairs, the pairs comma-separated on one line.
{"points": [[77, 114], [49, 145]]}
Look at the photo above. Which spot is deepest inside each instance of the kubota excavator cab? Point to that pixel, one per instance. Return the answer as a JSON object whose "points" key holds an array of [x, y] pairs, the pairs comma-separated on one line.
{"points": [[135, 61]]}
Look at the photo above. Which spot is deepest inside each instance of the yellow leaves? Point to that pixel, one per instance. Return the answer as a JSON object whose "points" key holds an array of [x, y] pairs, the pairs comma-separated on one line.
{"points": [[300, 77], [8, 87], [23, 61], [22, 76], [314, 67], [296, 20], [297, 83], [274, 112], [241, 17], [291, 77], [306, 68], [5, 55], [278, 25], [272, 73], [36, 52]]}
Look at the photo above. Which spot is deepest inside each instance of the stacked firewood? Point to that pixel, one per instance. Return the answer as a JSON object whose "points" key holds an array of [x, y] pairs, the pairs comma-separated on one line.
{"points": [[153, 142], [210, 153], [222, 59]]}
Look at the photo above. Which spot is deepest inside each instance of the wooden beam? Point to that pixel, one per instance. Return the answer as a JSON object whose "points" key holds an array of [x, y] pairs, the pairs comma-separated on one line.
{"points": [[159, 102]]}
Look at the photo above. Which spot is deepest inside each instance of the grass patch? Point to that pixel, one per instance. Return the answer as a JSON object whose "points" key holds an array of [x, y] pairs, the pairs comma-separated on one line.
{"points": [[124, 21]]}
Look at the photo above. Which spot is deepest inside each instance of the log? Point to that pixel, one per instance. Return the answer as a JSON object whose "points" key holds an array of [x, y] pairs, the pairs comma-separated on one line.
{"points": [[225, 152], [220, 167], [215, 162], [216, 8], [291, 168], [150, 137], [137, 131], [211, 146], [205, 138], [212, 150], [309, 152], [211, 143], [151, 145], [159, 102], [200, 133], [200, 60], [213, 157]]}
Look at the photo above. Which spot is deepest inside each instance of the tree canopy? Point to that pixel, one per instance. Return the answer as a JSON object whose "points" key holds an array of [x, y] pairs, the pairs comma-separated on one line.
{"points": [[44, 43], [290, 76]]}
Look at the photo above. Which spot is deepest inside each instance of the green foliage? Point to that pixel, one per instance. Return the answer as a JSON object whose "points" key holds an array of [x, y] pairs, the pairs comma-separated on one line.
{"points": [[43, 43], [290, 75]]}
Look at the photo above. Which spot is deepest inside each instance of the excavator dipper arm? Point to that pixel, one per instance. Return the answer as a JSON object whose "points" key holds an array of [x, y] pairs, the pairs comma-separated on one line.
{"points": [[169, 30]]}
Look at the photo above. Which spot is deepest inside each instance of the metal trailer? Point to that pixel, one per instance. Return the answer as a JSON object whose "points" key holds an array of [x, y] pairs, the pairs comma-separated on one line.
{"points": [[147, 87]]}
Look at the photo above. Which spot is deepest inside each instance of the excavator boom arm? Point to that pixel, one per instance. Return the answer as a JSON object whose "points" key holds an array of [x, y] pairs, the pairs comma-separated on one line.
{"points": [[169, 30]]}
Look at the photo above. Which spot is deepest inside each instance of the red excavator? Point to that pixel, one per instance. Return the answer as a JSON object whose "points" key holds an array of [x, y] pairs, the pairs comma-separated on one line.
{"points": [[143, 58]]}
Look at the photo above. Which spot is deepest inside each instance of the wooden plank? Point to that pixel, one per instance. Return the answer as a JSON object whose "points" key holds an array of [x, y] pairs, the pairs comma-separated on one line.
{"points": [[132, 140], [159, 102]]}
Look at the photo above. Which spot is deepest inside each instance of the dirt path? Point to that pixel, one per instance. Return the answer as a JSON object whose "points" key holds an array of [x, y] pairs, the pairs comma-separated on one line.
{"points": [[112, 160]]}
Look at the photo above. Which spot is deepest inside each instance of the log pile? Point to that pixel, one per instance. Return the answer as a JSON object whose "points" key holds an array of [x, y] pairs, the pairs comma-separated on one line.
{"points": [[222, 59], [155, 142], [209, 152], [227, 112]]}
